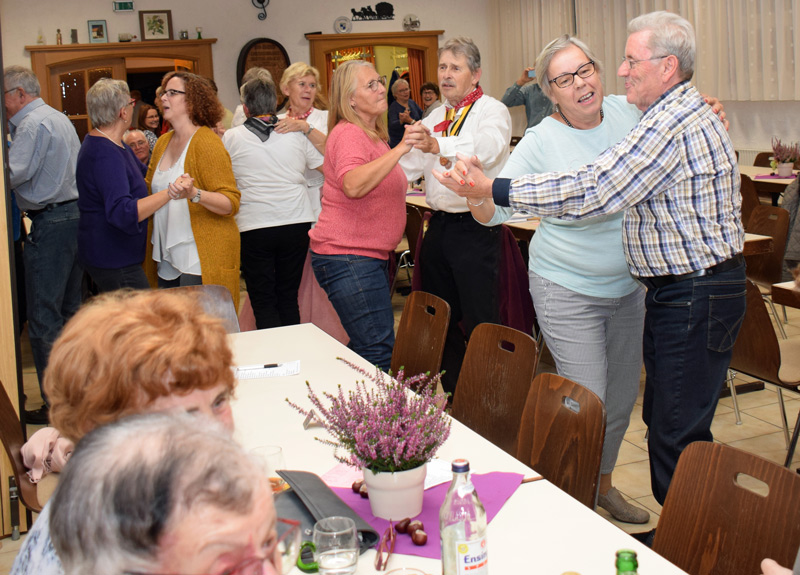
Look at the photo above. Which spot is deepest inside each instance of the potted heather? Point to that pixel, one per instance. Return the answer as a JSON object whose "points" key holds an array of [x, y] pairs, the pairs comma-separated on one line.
{"points": [[388, 431], [783, 157]]}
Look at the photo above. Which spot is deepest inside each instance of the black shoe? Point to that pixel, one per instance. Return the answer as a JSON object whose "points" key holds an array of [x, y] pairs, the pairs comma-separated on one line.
{"points": [[645, 537], [39, 416]]}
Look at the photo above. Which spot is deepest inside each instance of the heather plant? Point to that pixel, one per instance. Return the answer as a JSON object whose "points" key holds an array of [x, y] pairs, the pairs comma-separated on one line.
{"points": [[784, 153], [383, 425]]}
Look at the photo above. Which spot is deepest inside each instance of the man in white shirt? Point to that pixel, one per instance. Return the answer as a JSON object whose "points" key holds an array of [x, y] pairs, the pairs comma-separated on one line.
{"points": [[460, 258]]}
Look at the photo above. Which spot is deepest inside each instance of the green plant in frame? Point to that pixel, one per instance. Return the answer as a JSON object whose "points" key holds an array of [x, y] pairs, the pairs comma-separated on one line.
{"points": [[155, 24]]}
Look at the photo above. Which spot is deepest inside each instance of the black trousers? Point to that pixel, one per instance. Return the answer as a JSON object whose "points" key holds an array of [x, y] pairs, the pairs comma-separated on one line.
{"points": [[272, 265], [460, 264]]}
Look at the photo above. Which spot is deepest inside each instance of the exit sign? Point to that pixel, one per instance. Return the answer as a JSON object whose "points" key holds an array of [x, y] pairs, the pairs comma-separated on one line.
{"points": [[123, 6]]}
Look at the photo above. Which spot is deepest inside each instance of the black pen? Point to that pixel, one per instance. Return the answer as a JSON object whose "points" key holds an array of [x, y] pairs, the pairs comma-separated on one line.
{"points": [[265, 366]]}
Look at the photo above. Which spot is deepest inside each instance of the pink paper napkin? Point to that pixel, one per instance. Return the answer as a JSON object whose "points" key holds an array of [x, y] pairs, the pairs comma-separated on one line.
{"points": [[493, 489], [774, 177]]}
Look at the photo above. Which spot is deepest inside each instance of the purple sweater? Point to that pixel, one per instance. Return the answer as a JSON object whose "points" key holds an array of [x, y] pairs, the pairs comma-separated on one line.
{"points": [[110, 182]]}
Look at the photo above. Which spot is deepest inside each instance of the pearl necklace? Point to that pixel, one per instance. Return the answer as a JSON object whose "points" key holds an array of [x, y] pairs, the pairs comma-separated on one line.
{"points": [[300, 116], [109, 137], [567, 122]]}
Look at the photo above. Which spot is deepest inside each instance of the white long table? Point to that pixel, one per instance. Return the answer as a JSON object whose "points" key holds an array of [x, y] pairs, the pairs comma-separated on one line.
{"points": [[540, 530]]}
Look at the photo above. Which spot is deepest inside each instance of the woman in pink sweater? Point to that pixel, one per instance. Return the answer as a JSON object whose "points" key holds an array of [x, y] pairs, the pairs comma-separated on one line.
{"points": [[363, 211]]}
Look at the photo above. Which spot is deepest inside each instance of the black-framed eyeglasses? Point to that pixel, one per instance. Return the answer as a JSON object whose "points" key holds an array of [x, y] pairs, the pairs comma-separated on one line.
{"points": [[631, 62], [170, 93], [373, 85], [287, 545], [565, 80], [11, 90]]}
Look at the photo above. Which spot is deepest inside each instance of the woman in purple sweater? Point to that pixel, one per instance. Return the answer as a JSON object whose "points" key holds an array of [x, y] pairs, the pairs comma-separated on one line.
{"points": [[113, 201], [363, 211]]}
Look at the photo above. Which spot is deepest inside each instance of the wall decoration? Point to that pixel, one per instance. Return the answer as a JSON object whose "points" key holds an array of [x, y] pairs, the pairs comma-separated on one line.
{"points": [[155, 24], [261, 5], [342, 25], [411, 23], [383, 11], [98, 32]]}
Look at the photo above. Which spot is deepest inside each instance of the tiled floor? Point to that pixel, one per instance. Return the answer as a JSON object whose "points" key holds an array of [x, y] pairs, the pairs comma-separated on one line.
{"points": [[759, 433]]}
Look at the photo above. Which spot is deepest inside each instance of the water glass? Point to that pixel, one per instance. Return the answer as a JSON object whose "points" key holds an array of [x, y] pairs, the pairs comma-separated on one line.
{"points": [[270, 457], [336, 546]]}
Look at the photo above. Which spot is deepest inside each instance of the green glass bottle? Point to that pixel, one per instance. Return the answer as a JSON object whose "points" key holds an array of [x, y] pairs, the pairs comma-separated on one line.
{"points": [[627, 564]]}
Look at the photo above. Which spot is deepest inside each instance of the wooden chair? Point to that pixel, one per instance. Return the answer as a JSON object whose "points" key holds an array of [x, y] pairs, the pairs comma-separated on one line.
{"points": [[766, 269], [749, 200], [421, 334], [217, 301], [497, 372], [561, 435], [13, 439], [406, 259], [716, 520], [758, 353], [763, 159]]}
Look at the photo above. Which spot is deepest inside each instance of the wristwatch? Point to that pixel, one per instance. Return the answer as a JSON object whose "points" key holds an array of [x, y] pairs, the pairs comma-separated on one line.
{"points": [[196, 198], [310, 129]]}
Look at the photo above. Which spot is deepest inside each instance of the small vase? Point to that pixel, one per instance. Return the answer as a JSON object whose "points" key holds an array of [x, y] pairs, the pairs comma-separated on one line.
{"points": [[396, 495], [785, 170]]}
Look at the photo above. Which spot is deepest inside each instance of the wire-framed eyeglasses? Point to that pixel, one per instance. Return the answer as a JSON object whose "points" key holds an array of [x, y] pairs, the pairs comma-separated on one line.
{"points": [[565, 80], [373, 85], [631, 62]]}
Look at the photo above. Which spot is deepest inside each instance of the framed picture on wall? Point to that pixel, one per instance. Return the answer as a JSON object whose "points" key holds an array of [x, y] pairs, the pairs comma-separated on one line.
{"points": [[98, 32], [155, 24]]}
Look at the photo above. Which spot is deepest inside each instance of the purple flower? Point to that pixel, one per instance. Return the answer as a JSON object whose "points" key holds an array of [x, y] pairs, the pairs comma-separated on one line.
{"points": [[383, 424]]}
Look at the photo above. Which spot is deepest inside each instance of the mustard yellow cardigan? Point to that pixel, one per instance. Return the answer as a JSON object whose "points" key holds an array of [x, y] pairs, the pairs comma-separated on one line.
{"points": [[217, 237]]}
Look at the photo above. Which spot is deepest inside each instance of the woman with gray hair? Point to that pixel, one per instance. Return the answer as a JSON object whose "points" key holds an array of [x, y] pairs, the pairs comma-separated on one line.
{"points": [[276, 212], [112, 193], [402, 111], [140, 494], [589, 307]]}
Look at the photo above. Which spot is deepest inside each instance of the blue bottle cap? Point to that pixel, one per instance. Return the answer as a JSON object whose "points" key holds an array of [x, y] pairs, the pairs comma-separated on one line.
{"points": [[460, 466]]}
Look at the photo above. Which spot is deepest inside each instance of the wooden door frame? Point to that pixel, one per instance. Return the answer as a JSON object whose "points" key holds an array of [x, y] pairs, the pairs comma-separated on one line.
{"points": [[426, 41]]}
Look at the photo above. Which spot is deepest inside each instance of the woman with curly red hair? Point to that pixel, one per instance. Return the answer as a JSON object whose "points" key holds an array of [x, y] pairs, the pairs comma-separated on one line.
{"points": [[195, 241]]}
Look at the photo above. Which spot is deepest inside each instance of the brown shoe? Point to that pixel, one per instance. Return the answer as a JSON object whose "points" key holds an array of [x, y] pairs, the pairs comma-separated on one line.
{"points": [[620, 509]]}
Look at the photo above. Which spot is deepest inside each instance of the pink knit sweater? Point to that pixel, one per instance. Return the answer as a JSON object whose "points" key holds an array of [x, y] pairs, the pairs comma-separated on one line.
{"points": [[370, 226]]}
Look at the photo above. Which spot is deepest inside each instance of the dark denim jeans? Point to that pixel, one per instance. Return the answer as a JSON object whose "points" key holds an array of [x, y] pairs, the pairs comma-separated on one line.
{"points": [[52, 278], [118, 278], [690, 328], [358, 288]]}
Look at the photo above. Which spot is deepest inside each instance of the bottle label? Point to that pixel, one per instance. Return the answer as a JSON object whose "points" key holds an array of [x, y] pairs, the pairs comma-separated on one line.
{"points": [[465, 489], [472, 557]]}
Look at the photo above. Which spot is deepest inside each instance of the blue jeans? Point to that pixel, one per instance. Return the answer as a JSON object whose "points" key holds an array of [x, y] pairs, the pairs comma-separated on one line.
{"points": [[689, 332], [52, 278], [596, 342], [358, 288]]}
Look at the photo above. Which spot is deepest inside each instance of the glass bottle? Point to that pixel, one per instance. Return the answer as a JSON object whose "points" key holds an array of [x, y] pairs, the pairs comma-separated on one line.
{"points": [[627, 563], [462, 524]]}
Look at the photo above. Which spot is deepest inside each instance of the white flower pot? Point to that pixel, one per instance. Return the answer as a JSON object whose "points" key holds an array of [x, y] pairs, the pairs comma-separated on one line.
{"points": [[396, 496], [785, 170]]}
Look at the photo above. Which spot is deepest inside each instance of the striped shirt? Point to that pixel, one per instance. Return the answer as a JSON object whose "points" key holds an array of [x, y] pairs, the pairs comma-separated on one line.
{"points": [[676, 176]]}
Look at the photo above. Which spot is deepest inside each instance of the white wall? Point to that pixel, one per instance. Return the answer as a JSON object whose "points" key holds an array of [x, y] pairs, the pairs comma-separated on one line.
{"points": [[235, 22], [232, 22]]}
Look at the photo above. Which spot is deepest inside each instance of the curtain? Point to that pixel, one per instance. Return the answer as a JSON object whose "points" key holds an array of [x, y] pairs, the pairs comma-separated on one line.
{"points": [[416, 71], [746, 49]]}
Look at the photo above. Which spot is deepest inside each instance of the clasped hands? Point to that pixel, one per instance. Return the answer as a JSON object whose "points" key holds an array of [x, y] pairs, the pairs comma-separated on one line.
{"points": [[182, 188]]}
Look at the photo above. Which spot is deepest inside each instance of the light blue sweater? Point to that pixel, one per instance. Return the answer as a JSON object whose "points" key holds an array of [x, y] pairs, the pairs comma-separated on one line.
{"points": [[585, 256]]}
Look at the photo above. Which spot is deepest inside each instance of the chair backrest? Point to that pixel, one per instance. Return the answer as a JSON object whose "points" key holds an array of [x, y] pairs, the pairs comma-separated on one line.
{"points": [[561, 435], [13, 439], [766, 269], [756, 351], [749, 200], [713, 523], [421, 334], [763, 159], [498, 368], [217, 301], [413, 227]]}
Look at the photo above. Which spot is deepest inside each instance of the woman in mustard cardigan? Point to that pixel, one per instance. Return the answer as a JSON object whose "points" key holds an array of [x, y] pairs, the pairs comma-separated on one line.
{"points": [[194, 241]]}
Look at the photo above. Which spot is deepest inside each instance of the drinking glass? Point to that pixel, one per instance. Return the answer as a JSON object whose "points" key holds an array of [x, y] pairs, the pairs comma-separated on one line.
{"points": [[336, 546], [271, 459]]}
